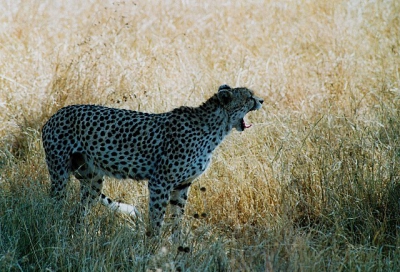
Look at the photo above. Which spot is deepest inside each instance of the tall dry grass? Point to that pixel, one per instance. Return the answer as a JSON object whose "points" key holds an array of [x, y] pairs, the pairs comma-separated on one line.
{"points": [[313, 186]]}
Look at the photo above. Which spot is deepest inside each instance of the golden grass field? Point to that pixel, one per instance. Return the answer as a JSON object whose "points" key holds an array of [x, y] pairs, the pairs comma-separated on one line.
{"points": [[314, 185]]}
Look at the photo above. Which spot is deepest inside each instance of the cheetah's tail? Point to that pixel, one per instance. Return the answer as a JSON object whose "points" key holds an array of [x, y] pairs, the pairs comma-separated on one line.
{"points": [[120, 207]]}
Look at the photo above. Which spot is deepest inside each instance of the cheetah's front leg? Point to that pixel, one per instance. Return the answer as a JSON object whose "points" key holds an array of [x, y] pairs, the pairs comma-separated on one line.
{"points": [[159, 198], [179, 196]]}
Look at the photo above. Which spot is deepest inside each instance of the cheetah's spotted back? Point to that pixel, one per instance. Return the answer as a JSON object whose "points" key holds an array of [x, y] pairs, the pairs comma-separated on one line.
{"points": [[169, 149]]}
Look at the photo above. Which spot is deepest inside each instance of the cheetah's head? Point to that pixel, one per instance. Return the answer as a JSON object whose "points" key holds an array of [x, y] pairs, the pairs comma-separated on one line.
{"points": [[238, 102]]}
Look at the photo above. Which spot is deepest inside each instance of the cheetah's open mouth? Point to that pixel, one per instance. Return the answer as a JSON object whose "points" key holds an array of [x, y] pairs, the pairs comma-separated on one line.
{"points": [[244, 125]]}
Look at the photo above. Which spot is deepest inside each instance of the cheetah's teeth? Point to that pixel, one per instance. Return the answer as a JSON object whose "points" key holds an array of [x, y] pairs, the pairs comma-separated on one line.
{"points": [[244, 125]]}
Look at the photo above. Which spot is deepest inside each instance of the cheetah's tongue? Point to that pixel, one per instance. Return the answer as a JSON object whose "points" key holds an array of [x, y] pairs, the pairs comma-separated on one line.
{"points": [[244, 125]]}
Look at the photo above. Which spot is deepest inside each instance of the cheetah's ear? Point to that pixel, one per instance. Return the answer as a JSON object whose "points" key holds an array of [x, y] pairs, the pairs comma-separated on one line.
{"points": [[224, 95], [224, 87]]}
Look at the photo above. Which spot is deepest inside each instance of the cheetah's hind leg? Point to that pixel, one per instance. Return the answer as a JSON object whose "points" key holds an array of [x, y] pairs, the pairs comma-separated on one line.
{"points": [[91, 186], [91, 182]]}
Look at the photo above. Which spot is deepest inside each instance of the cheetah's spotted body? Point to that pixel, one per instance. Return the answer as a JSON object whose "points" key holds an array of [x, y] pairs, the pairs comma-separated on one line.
{"points": [[169, 149]]}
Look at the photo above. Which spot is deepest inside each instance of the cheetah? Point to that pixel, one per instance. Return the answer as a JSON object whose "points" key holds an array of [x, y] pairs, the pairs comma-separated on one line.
{"points": [[169, 149]]}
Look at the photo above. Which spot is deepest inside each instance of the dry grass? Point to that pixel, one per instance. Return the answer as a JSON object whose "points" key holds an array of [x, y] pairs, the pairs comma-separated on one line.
{"points": [[313, 186]]}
